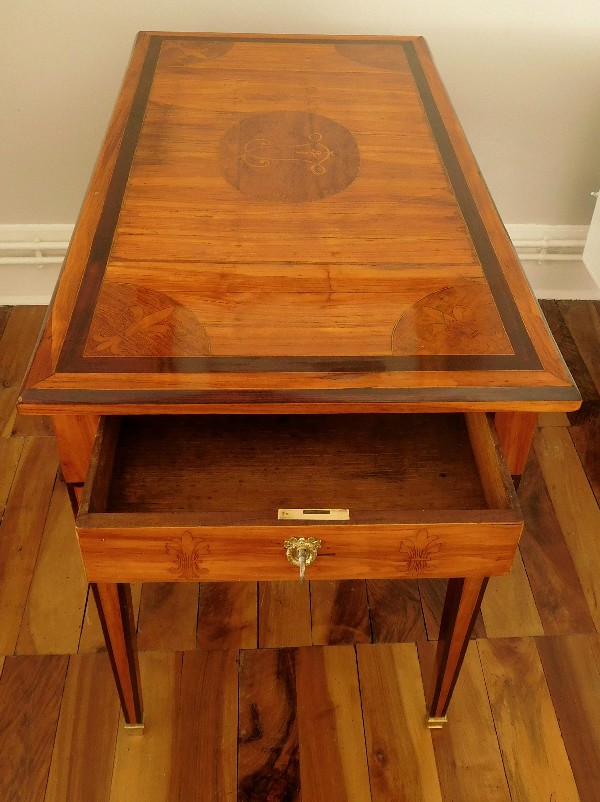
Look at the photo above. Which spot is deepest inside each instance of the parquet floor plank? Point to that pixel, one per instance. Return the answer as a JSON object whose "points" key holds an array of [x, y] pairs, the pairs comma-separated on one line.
{"points": [[19, 336], [395, 610], [573, 677], [586, 438], [533, 752], [10, 454], [583, 320], [204, 762], [284, 614], [399, 748], [83, 756], [168, 616], [142, 767], [553, 419], [30, 698], [330, 726], [339, 612], [21, 532], [269, 750], [554, 582], [576, 508], [575, 362], [466, 750], [228, 615], [52, 620], [508, 607], [4, 315]]}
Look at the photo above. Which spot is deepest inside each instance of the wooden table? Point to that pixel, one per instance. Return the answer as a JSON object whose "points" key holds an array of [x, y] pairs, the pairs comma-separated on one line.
{"points": [[288, 224]]}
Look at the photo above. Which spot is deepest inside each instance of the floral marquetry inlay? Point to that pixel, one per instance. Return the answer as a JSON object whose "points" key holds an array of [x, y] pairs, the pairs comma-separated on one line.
{"points": [[418, 553], [289, 156], [130, 320], [187, 553], [454, 320]]}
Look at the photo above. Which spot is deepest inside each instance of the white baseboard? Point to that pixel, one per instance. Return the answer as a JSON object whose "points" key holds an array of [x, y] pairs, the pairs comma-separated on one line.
{"points": [[31, 256]]}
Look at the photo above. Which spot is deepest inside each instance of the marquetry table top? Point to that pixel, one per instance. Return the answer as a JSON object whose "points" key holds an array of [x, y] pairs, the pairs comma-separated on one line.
{"points": [[290, 221]]}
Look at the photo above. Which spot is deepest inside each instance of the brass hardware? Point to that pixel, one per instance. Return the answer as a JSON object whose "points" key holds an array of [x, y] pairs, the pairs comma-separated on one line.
{"points": [[436, 722], [313, 514], [134, 729], [301, 551]]}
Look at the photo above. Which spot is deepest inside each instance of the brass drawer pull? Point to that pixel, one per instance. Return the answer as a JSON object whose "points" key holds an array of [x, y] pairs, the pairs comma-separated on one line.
{"points": [[301, 551]]}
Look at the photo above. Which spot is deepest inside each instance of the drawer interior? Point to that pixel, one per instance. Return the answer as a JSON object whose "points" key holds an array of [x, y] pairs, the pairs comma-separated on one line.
{"points": [[245, 468]]}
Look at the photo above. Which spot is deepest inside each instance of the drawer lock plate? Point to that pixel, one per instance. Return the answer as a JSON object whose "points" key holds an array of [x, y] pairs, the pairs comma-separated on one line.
{"points": [[313, 514], [301, 551]]}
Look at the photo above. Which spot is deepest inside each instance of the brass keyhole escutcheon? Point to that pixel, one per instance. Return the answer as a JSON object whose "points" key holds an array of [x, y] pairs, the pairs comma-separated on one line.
{"points": [[301, 551]]}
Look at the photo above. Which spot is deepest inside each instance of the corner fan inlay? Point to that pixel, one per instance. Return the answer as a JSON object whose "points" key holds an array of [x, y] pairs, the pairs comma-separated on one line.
{"points": [[454, 320], [130, 320]]}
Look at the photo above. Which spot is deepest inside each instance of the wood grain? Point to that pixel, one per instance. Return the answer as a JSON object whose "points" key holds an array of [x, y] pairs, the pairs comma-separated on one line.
{"points": [[283, 614], [395, 610], [87, 729], [330, 726], [583, 320], [228, 615], [168, 617], [339, 612], [30, 699], [573, 678], [268, 752], [251, 466], [21, 532], [52, 620], [551, 573], [205, 746], [534, 755], [184, 498], [4, 314], [515, 432], [575, 362], [466, 750], [10, 453], [20, 332], [576, 508], [586, 439], [393, 702], [142, 766], [508, 607], [75, 439], [414, 279]]}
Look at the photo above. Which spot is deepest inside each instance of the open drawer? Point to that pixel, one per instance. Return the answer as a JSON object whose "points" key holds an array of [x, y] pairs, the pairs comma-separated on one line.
{"points": [[184, 498]]}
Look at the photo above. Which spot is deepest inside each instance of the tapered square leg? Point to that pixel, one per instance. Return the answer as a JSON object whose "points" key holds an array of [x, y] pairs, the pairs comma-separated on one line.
{"points": [[463, 600], [515, 433], [116, 615]]}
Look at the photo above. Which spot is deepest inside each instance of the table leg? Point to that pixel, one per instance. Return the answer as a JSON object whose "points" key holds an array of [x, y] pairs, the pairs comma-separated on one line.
{"points": [[116, 615], [463, 599], [515, 433]]}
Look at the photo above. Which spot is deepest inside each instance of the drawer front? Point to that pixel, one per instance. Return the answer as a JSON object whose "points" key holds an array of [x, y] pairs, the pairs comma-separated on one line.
{"points": [[197, 553], [193, 500]]}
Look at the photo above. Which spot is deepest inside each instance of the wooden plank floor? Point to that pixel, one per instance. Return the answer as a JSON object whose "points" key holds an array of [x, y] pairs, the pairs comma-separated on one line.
{"points": [[331, 706]]}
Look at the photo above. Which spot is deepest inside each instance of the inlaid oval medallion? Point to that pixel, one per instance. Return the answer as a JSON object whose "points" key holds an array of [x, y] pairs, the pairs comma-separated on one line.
{"points": [[289, 156]]}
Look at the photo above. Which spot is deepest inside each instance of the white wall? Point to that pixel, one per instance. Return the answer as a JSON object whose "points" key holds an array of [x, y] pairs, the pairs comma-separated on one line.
{"points": [[524, 76]]}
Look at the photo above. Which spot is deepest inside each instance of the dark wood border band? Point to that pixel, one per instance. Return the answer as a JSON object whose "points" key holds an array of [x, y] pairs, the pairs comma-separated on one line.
{"points": [[73, 360], [257, 398]]}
